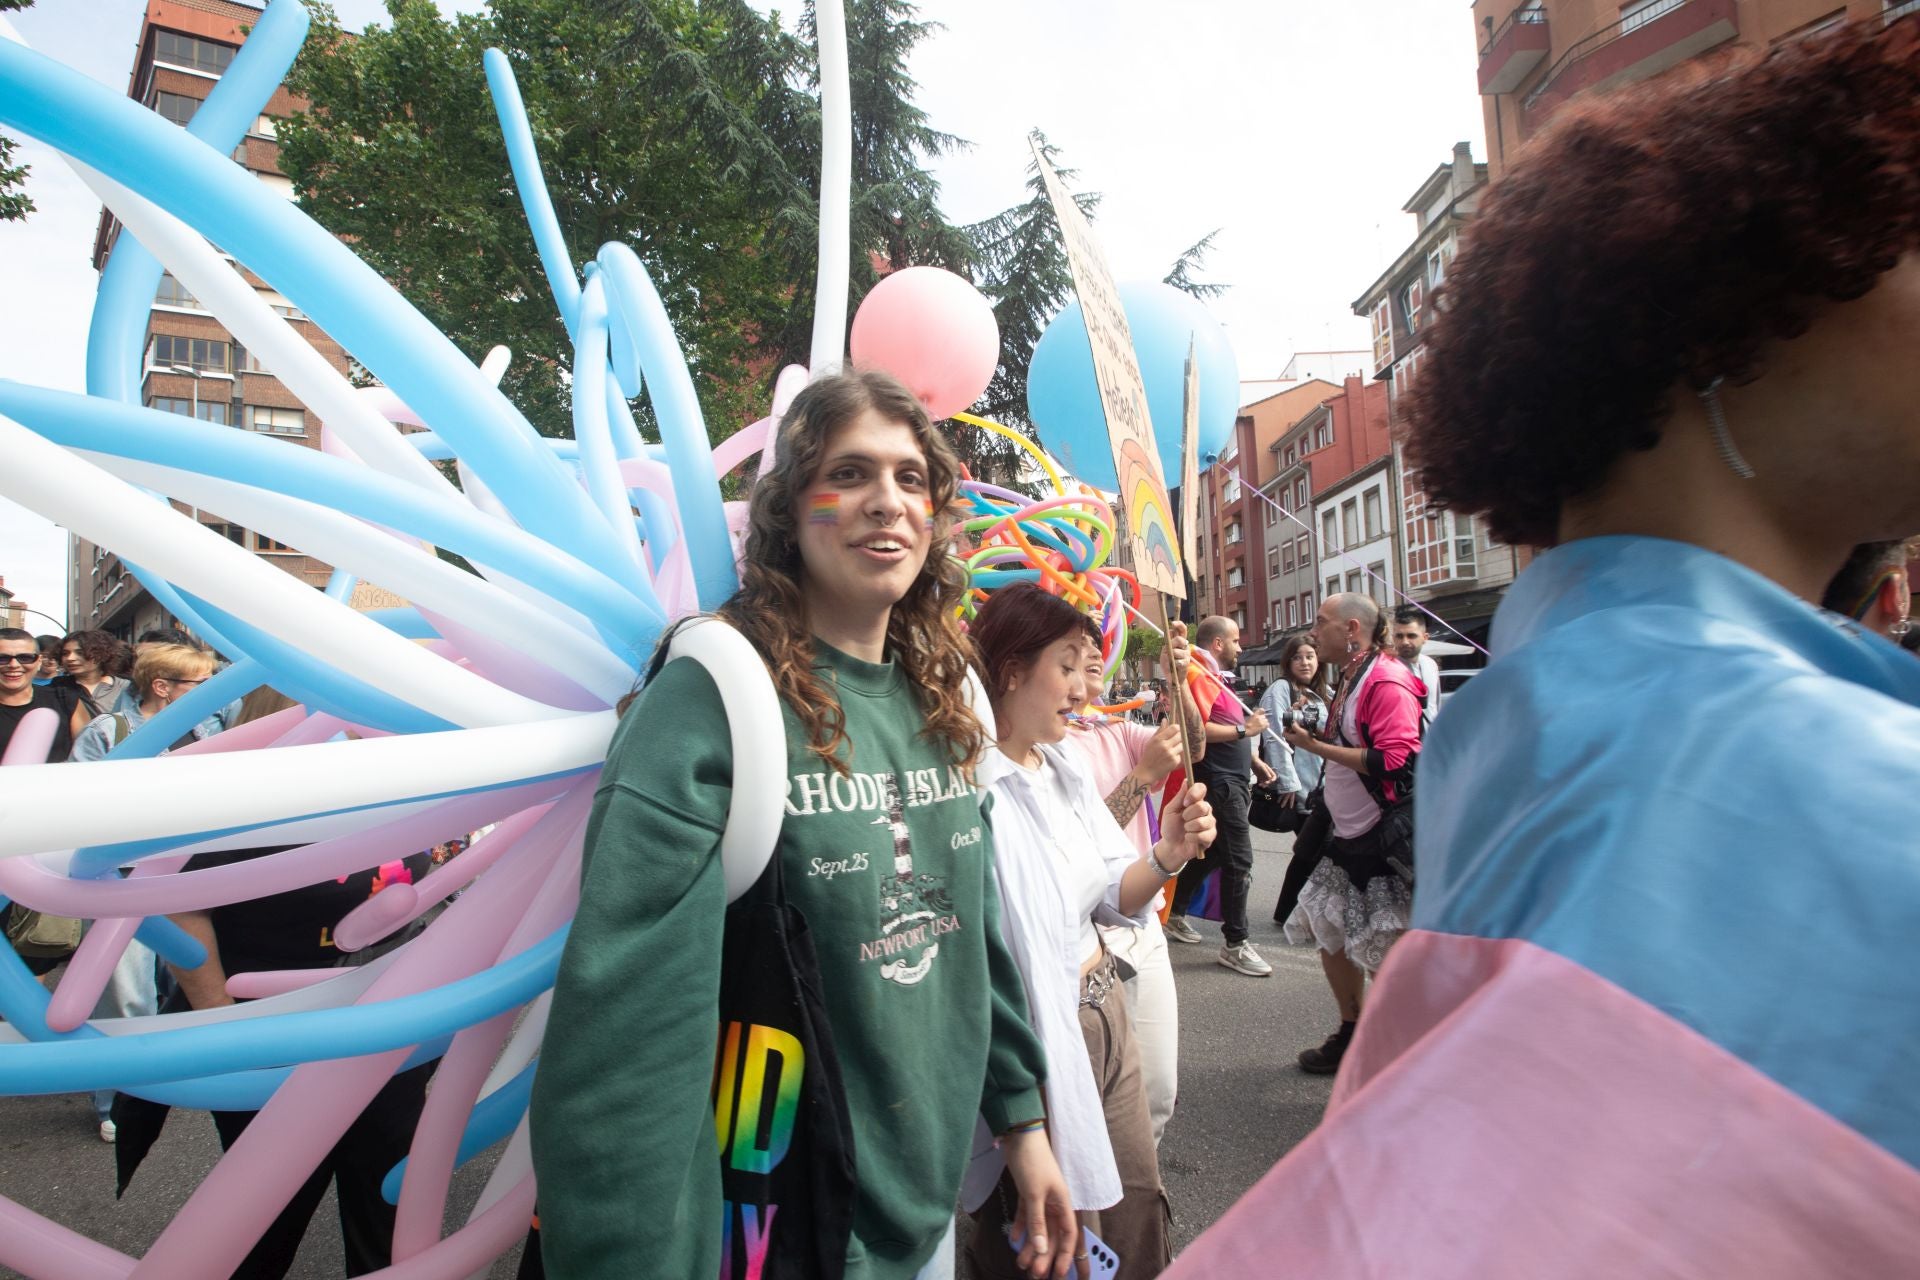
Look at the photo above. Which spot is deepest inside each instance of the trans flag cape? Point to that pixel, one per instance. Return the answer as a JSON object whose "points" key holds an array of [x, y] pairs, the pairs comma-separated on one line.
{"points": [[1659, 1014]]}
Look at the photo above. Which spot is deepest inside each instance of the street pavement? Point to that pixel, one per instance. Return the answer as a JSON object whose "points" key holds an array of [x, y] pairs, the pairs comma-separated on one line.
{"points": [[1243, 1104]]}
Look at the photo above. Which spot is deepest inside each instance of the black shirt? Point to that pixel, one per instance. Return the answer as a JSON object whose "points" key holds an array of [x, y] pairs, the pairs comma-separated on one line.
{"points": [[62, 700], [294, 930]]}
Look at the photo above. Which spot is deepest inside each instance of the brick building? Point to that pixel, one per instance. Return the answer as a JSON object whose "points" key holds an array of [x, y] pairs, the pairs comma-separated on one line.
{"points": [[1537, 54], [1445, 561], [192, 365], [1230, 576], [1335, 451]]}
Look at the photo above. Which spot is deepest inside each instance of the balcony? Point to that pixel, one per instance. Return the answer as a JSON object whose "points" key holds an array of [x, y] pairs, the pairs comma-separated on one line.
{"points": [[1645, 42], [1512, 52]]}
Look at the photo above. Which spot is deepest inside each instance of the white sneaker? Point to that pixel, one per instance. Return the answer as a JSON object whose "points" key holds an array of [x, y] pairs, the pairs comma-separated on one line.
{"points": [[107, 1132], [1179, 930], [1244, 959]]}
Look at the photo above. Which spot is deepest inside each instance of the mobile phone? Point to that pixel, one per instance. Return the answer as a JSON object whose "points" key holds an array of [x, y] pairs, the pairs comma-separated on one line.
{"points": [[1102, 1263]]}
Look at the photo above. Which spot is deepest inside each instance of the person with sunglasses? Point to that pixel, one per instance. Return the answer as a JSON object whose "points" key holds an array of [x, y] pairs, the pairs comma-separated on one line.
{"points": [[19, 694], [162, 675]]}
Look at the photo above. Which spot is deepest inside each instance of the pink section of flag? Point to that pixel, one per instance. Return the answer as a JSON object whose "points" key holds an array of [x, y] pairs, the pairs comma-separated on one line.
{"points": [[1505, 1114]]}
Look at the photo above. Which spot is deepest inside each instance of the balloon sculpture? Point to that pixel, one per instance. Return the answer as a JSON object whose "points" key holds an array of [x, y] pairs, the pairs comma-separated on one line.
{"points": [[487, 701]]}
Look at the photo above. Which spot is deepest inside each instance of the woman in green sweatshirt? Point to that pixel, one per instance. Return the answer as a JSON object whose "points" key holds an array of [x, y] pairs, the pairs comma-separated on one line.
{"points": [[848, 593]]}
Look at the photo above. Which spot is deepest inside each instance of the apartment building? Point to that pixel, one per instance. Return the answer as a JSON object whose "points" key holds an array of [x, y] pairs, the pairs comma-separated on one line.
{"points": [[192, 365], [1536, 55], [1230, 576], [1332, 452]]}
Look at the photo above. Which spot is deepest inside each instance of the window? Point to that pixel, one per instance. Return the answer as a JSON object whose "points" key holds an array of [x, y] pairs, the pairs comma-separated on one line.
{"points": [[1200, 545], [172, 293], [192, 53], [261, 542], [1353, 581], [1267, 508], [205, 410], [1638, 13], [1235, 579], [1350, 521], [1306, 608], [1382, 324], [1232, 493], [1293, 612], [1323, 433], [1333, 587], [1463, 544], [1329, 532], [1286, 556], [1411, 299], [1300, 494], [177, 107], [265, 126], [1233, 533], [204, 354], [1377, 581], [280, 422], [1273, 563], [1371, 503], [1302, 550], [246, 362], [1240, 618], [1292, 454], [231, 532], [1437, 268]]}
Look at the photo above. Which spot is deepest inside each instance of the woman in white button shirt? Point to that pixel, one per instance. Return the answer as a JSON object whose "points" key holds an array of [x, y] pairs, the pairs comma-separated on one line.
{"points": [[1064, 865]]}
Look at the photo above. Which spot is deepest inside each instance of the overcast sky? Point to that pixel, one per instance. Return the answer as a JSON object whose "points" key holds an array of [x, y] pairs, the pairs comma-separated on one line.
{"points": [[1298, 127]]}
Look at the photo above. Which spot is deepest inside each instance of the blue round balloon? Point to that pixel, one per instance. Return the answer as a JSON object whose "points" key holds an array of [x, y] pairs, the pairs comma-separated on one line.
{"points": [[1063, 400]]}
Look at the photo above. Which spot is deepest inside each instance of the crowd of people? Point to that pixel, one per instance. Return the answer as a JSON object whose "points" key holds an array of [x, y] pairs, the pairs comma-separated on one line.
{"points": [[101, 691], [963, 918]]}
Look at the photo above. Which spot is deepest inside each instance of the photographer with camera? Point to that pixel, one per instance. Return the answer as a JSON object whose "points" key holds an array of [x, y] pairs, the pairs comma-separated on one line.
{"points": [[1359, 899], [1300, 697]]}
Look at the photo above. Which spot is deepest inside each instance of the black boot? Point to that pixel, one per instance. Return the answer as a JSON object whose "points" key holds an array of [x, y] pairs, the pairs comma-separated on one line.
{"points": [[1325, 1060]]}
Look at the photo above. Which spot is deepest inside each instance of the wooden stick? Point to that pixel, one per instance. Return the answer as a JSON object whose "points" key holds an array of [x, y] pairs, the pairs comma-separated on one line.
{"points": [[1182, 700]]}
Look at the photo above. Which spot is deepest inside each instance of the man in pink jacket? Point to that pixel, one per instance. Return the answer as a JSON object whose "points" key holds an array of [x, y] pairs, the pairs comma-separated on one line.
{"points": [[1360, 898]]}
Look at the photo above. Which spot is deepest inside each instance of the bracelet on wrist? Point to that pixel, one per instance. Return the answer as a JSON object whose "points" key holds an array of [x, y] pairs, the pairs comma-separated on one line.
{"points": [[1153, 860], [1029, 1126]]}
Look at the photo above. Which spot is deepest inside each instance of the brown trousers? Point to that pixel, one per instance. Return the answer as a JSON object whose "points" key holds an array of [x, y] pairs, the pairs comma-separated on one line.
{"points": [[1139, 1228]]}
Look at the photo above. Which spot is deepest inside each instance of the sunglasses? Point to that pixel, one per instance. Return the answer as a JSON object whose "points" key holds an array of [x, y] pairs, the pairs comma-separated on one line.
{"points": [[24, 659]]}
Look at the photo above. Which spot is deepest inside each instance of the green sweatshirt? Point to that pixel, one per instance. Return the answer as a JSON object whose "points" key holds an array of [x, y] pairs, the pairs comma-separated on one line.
{"points": [[893, 869]]}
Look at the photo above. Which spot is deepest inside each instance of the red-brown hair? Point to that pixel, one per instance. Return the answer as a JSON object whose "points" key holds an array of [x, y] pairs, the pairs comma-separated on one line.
{"points": [[1015, 625], [1650, 242]]}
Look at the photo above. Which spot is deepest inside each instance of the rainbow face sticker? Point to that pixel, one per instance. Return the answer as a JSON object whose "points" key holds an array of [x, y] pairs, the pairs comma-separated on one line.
{"points": [[825, 509], [929, 502]]}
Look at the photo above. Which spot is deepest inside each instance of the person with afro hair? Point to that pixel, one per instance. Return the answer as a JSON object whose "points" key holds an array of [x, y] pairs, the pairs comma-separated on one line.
{"points": [[1658, 1012]]}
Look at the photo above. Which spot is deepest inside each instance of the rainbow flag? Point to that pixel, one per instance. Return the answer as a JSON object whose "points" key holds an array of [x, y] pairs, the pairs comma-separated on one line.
{"points": [[1659, 1015]]}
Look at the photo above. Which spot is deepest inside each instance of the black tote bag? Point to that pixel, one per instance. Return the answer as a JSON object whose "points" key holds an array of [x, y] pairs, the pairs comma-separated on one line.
{"points": [[786, 1140]]}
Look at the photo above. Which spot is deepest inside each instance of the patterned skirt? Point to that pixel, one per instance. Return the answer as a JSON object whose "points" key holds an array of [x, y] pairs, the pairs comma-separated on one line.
{"points": [[1363, 922]]}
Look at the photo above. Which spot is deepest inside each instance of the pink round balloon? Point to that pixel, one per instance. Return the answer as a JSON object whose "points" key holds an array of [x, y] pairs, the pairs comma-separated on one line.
{"points": [[934, 332]]}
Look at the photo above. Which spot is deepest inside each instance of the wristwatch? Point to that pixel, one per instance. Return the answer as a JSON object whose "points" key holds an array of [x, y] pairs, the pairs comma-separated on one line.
{"points": [[1240, 730]]}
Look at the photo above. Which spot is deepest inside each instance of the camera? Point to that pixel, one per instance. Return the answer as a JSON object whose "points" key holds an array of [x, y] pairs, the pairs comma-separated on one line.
{"points": [[1312, 717]]}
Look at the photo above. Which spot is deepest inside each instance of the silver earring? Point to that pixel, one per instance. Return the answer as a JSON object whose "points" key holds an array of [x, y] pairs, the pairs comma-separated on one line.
{"points": [[1899, 627], [1722, 438]]}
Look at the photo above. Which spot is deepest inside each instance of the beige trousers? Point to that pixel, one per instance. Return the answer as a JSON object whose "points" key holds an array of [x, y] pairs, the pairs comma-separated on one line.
{"points": [[1139, 1228]]}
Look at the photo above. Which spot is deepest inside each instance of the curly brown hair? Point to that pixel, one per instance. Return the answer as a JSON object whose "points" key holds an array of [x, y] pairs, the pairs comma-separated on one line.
{"points": [[1656, 239], [923, 632], [102, 649]]}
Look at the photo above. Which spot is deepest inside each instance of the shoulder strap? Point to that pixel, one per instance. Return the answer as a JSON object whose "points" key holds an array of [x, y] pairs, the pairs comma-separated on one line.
{"points": [[120, 729], [759, 736]]}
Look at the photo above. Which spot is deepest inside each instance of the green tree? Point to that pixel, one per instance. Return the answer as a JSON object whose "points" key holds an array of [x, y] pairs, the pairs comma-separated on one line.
{"points": [[1194, 260], [15, 203], [1024, 273], [658, 124]]}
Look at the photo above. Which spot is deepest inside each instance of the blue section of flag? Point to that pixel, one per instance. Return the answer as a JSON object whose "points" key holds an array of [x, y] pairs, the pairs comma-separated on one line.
{"points": [[1707, 792]]}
